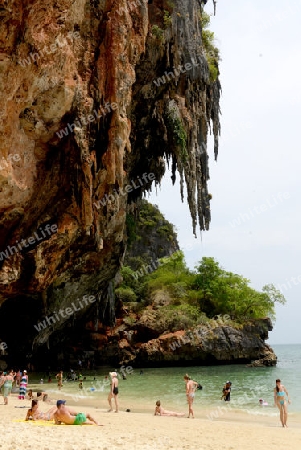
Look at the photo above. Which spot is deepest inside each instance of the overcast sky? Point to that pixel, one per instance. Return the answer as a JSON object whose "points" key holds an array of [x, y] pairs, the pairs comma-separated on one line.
{"points": [[255, 184]]}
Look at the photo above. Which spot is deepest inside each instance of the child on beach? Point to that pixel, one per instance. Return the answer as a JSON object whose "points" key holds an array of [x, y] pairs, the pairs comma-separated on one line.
{"points": [[159, 411]]}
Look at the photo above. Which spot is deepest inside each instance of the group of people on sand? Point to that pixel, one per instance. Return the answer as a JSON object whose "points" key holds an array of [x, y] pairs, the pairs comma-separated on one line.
{"points": [[63, 414], [11, 378], [60, 414]]}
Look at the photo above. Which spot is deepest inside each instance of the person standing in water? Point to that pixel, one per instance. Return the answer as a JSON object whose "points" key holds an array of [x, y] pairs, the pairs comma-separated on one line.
{"points": [[227, 391], [280, 401], [114, 391], [59, 377], [190, 392]]}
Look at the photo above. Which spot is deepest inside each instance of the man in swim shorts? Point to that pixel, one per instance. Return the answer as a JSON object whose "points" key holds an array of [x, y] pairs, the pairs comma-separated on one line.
{"points": [[67, 416]]}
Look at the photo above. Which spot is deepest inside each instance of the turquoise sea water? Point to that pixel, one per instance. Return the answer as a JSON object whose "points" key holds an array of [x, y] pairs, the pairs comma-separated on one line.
{"points": [[140, 392]]}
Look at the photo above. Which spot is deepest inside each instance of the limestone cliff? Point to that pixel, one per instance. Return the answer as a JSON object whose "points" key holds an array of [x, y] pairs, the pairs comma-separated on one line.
{"points": [[144, 342], [84, 131]]}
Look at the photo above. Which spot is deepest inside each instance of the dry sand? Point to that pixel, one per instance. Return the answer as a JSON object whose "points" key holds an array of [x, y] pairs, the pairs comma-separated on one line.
{"points": [[143, 431]]}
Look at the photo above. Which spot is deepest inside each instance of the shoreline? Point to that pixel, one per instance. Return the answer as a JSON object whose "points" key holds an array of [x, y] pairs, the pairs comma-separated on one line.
{"points": [[212, 411], [204, 413]]}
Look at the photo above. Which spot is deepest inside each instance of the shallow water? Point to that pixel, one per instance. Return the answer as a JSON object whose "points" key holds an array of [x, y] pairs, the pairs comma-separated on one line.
{"points": [[140, 392]]}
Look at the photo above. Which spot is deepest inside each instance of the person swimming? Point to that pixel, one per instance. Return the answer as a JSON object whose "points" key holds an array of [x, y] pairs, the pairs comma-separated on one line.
{"points": [[280, 401]]}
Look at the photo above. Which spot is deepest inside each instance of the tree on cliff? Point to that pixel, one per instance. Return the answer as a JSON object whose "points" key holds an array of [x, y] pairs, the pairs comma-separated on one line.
{"points": [[223, 292], [199, 295]]}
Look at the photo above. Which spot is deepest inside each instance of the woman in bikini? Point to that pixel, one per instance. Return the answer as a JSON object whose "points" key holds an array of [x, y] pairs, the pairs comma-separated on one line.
{"points": [[280, 401], [190, 390], [34, 414]]}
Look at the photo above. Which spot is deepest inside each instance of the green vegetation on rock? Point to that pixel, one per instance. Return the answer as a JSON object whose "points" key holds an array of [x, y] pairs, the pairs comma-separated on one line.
{"points": [[222, 292], [167, 295], [167, 19], [211, 51], [177, 129], [158, 33], [185, 298]]}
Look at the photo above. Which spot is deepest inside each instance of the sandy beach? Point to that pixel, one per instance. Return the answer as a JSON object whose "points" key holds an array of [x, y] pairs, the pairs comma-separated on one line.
{"points": [[143, 431]]}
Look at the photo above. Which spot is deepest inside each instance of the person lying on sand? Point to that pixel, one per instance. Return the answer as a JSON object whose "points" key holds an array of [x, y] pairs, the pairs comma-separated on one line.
{"points": [[159, 411], [39, 396], [67, 416], [34, 414], [43, 396], [29, 395]]}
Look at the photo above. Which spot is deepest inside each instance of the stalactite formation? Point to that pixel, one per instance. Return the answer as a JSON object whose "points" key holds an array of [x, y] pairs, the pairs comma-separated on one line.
{"points": [[95, 95]]}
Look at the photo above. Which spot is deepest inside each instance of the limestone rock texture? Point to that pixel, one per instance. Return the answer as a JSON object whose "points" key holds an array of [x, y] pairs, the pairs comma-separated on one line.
{"points": [[81, 119], [147, 344]]}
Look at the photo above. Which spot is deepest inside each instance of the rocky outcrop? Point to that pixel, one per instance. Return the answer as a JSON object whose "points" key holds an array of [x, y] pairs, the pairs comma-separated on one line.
{"points": [[150, 237], [268, 358], [145, 343]]}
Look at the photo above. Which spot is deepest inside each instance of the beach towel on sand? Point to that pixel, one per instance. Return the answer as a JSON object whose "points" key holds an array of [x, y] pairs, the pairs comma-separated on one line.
{"points": [[45, 423]]}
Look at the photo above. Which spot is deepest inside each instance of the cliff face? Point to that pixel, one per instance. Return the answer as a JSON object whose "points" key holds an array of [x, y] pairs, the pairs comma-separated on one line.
{"points": [[144, 342], [83, 132]]}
